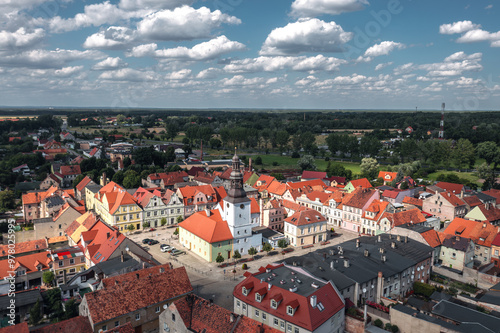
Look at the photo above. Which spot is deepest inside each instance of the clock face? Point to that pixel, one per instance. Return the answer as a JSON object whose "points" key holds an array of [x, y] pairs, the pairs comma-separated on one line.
{"points": [[227, 205], [242, 206]]}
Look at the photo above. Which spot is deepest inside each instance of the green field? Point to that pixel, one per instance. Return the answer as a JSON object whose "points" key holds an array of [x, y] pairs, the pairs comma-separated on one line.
{"points": [[286, 162], [470, 176]]}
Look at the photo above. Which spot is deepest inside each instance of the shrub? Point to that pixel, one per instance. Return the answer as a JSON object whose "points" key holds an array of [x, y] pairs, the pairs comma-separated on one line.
{"points": [[395, 329], [423, 289], [388, 327], [275, 163], [244, 266], [258, 160], [295, 155], [378, 323], [352, 312]]}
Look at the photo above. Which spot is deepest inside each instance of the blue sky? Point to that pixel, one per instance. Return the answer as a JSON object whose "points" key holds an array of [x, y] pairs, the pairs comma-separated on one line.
{"points": [[307, 54]]}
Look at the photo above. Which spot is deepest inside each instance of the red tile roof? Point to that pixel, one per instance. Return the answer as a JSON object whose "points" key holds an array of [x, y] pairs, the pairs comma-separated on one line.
{"points": [[121, 299], [451, 187], [276, 188], [77, 324], [390, 194], [472, 201], [133, 276], [320, 195], [493, 193], [496, 240], [377, 207], [102, 241], [492, 214], [411, 216], [316, 184], [24, 247], [254, 206], [211, 229], [313, 175], [292, 205], [387, 176], [358, 198], [68, 170], [305, 315], [305, 217], [19, 328], [126, 328]]}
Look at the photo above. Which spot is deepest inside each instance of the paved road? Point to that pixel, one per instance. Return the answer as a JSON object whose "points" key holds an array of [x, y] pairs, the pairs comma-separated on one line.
{"points": [[208, 280]]}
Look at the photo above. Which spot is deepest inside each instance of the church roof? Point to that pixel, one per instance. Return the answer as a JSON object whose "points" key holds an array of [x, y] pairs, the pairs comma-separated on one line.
{"points": [[211, 228]]}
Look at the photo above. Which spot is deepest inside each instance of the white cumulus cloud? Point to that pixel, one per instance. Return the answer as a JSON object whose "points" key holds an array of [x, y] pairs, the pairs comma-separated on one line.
{"points": [[48, 58], [383, 48], [272, 64], [306, 35], [312, 8], [19, 39], [457, 27], [109, 63], [183, 23], [113, 37], [128, 74]]}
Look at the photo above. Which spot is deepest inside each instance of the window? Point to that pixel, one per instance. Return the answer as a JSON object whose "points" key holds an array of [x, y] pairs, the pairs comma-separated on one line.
{"points": [[173, 317], [71, 261], [282, 325], [157, 309], [83, 278], [275, 322], [117, 323], [104, 327], [238, 304], [137, 316], [256, 313], [296, 330], [289, 310], [61, 263], [274, 304], [258, 297], [289, 328], [264, 316]]}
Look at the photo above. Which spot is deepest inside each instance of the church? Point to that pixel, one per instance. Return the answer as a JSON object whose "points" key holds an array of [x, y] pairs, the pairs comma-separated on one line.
{"points": [[226, 228]]}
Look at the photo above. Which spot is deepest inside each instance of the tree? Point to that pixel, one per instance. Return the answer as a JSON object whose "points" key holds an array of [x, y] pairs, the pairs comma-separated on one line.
{"points": [[408, 149], [282, 243], [282, 138], [337, 169], [489, 151], [215, 143], [236, 255], [463, 155], [35, 315], [252, 251], [487, 173], [220, 259], [308, 141], [132, 179], [332, 141], [130, 227], [163, 221], [369, 145], [369, 167], [7, 200], [70, 309], [267, 247], [306, 162], [176, 232], [48, 277], [179, 219], [258, 160]]}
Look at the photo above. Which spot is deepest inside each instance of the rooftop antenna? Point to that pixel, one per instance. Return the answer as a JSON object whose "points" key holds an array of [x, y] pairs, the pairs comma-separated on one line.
{"points": [[441, 123]]}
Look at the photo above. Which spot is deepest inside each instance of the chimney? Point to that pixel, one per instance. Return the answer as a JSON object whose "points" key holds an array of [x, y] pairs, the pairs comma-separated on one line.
{"points": [[346, 263], [122, 257], [384, 258], [269, 285], [250, 164], [406, 239], [332, 265], [379, 238], [381, 250], [137, 276], [484, 224], [104, 179], [398, 238], [208, 212], [231, 318], [457, 238], [367, 253], [357, 243], [393, 245], [314, 301]]}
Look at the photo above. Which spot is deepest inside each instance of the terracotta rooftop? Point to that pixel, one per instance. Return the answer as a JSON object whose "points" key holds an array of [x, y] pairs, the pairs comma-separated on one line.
{"points": [[134, 276], [451, 187], [84, 182], [28, 263], [432, 238], [413, 201], [305, 217], [77, 324], [452, 198], [313, 174], [363, 182], [19, 328], [481, 233], [209, 228], [24, 247], [411, 216], [387, 176], [68, 170], [493, 193], [358, 198], [121, 299], [126, 328], [254, 206]]}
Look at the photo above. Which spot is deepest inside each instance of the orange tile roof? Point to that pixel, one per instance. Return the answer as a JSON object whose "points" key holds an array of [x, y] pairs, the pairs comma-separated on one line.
{"points": [[413, 201], [452, 198], [121, 299], [123, 198], [277, 188], [432, 238], [265, 181], [376, 207], [411, 216], [189, 192], [24, 247], [77, 324], [387, 176], [322, 196], [493, 193], [363, 182], [57, 239], [81, 224], [102, 241], [254, 206], [481, 233], [305, 217], [29, 262], [316, 184], [211, 229], [84, 182], [126, 328], [292, 205]]}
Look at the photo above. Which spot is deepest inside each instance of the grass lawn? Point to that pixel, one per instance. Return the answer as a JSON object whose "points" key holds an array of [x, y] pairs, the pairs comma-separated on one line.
{"points": [[472, 177]]}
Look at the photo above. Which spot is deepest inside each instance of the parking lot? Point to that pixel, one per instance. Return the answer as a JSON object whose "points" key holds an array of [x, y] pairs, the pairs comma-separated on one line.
{"points": [[208, 280]]}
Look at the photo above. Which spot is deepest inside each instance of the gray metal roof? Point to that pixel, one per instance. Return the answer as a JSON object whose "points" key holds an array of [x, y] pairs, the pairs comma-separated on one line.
{"points": [[22, 298], [465, 315]]}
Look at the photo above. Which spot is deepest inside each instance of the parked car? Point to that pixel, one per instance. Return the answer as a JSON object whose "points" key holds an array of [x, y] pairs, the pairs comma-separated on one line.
{"points": [[152, 229], [152, 242], [171, 249], [177, 252], [165, 247], [146, 241]]}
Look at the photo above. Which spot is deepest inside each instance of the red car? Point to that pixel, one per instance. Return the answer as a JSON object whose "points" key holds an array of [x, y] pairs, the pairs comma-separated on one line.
{"points": [[152, 229]]}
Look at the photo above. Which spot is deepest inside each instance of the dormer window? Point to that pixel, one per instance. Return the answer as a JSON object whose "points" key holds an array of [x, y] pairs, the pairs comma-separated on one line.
{"points": [[274, 304], [258, 297], [290, 311], [244, 291]]}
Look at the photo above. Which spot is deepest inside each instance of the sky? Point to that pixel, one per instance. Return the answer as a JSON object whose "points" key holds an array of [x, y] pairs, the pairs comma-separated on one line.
{"points": [[283, 54]]}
